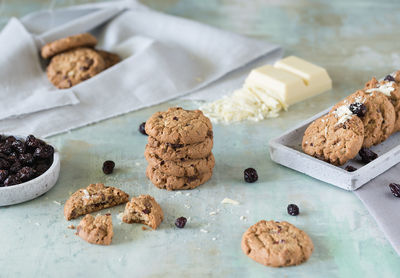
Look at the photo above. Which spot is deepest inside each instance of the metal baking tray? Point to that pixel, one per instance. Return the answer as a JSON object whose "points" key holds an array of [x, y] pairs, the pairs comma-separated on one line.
{"points": [[286, 150]]}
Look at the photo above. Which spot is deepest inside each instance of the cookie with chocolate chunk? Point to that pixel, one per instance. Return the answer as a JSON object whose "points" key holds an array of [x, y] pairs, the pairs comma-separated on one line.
{"points": [[179, 126], [276, 244], [97, 230], [93, 198], [74, 66], [145, 210], [334, 138], [164, 181], [64, 44], [168, 151], [391, 90], [181, 168]]}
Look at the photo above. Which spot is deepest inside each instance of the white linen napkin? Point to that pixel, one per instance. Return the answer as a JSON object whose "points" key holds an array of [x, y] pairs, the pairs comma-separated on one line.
{"points": [[164, 57], [24, 87]]}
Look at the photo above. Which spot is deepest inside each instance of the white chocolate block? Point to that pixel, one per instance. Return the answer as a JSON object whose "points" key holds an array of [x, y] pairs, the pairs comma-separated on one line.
{"points": [[290, 80]]}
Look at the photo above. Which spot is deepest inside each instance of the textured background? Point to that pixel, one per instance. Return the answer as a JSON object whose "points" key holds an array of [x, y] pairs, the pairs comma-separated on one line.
{"points": [[354, 40]]}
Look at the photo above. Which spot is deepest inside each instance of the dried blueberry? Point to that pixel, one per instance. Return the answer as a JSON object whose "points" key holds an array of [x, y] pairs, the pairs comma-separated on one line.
{"points": [[180, 222], [358, 108], [26, 158], [26, 173], [293, 209], [350, 168], [18, 146], [12, 180], [142, 128], [395, 188], [3, 175], [250, 175], [367, 155], [389, 78], [45, 151], [108, 167]]}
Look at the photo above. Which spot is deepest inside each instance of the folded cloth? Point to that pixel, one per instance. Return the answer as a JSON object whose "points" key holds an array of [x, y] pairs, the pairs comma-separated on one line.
{"points": [[165, 57], [23, 84], [382, 205]]}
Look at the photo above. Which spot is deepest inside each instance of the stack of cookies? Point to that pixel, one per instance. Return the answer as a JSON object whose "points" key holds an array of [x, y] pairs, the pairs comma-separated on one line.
{"points": [[74, 60], [364, 119], [179, 149]]}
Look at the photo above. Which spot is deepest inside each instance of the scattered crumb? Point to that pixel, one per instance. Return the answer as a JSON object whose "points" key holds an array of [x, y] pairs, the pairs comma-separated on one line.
{"points": [[229, 201], [214, 238], [203, 231], [57, 203], [243, 218], [119, 215], [144, 228], [72, 227], [187, 194], [213, 213], [37, 224], [178, 193], [188, 219], [187, 206], [137, 163]]}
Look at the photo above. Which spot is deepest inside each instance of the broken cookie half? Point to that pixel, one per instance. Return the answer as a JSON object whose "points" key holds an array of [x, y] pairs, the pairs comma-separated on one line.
{"points": [[145, 210], [97, 230], [93, 198]]}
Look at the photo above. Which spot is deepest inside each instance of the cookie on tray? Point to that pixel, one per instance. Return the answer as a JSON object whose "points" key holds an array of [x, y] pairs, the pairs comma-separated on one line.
{"points": [[64, 44], [391, 90], [179, 126], [181, 168], [334, 138], [168, 151], [145, 210], [164, 181], [93, 198], [276, 244], [97, 230], [74, 66], [378, 119], [109, 58]]}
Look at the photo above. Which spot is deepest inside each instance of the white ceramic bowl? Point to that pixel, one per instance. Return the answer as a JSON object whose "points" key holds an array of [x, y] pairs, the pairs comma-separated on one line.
{"points": [[11, 195]]}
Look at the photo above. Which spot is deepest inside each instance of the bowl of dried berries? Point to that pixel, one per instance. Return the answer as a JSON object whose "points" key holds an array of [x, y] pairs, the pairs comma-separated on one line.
{"points": [[29, 167]]}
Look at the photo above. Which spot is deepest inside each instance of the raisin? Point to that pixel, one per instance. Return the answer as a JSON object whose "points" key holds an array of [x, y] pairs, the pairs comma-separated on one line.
{"points": [[250, 175], [26, 158], [45, 151], [32, 142], [389, 78], [350, 168], [41, 168], [15, 167], [293, 209], [108, 167], [367, 155], [6, 148], [180, 222], [395, 188], [142, 128], [146, 211], [358, 108], [3, 175], [4, 164]]}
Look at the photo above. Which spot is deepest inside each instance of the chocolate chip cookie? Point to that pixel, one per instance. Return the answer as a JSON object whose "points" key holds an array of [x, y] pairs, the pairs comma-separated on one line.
{"points": [[109, 58], [379, 118], [168, 182], [74, 66], [168, 151], [93, 198], [334, 138], [276, 244], [145, 210], [97, 230], [391, 90], [181, 168], [179, 126], [64, 44]]}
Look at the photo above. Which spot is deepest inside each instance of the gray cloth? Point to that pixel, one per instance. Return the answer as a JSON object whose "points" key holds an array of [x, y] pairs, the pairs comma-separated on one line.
{"points": [[382, 205], [165, 57]]}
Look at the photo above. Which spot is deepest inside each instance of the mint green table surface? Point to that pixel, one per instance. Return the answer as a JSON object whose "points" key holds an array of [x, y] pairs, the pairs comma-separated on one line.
{"points": [[354, 40]]}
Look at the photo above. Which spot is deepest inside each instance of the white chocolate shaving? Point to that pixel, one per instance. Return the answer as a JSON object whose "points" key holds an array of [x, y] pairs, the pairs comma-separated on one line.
{"points": [[343, 113], [386, 88]]}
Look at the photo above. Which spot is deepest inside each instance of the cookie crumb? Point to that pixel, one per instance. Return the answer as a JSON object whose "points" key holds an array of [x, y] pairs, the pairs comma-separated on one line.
{"points": [[72, 227], [243, 218], [187, 194], [144, 228], [187, 206], [213, 213], [229, 201], [203, 231], [214, 238], [37, 224], [57, 203]]}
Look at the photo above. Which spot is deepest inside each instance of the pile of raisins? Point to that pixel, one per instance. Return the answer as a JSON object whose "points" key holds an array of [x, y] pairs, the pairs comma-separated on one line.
{"points": [[23, 160]]}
